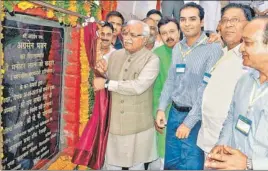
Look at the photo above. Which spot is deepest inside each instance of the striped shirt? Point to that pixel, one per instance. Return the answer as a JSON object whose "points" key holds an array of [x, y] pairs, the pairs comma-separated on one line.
{"points": [[187, 89]]}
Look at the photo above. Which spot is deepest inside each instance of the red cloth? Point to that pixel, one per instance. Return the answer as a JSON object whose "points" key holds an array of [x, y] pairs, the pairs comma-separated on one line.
{"points": [[90, 39], [158, 5], [90, 150]]}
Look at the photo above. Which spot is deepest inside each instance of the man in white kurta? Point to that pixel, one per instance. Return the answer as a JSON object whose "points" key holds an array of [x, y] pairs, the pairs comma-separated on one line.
{"points": [[131, 73], [224, 76]]}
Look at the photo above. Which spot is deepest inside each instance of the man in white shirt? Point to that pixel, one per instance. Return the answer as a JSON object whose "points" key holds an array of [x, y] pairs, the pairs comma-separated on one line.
{"points": [[260, 7], [212, 15], [223, 76]]}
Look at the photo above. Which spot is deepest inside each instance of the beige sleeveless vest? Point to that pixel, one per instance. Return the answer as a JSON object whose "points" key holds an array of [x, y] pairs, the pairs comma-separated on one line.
{"points": [[130, 114]]}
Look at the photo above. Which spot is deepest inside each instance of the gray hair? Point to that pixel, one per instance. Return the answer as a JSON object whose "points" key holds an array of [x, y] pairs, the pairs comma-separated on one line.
{"points": [[265, 30], [146, 28]]}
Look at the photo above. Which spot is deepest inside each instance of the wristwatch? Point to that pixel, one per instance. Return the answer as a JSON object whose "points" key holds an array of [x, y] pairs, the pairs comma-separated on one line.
{"points": [[106, 83], [249, 164]]}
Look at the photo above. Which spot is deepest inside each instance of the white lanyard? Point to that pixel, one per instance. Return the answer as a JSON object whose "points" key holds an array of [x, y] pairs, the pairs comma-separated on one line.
{"points": [[189, 51], [252, 100]]}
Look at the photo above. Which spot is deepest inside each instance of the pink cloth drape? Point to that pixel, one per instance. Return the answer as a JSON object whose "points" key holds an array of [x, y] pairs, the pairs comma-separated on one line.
{"points": [[90, 150]]}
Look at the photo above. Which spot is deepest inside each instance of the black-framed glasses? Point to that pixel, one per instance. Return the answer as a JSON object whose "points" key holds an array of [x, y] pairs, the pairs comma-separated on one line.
{"points": [[233, 21]]}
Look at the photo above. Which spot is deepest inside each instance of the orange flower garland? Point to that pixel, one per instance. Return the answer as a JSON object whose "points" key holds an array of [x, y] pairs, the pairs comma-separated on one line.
{"points": [[84, 84]]}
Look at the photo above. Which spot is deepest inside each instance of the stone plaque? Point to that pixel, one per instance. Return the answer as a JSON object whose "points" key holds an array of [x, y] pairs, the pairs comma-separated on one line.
{"points": [[31, 85]]}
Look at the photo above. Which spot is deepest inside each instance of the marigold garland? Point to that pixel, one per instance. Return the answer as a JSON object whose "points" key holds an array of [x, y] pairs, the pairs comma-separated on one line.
{"points": [[50, 13], [84, 108], [26, 5], [62, 163], [87, 8]]}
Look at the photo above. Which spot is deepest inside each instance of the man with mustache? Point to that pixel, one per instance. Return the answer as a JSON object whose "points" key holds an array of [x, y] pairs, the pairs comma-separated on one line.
{"points": [[131, 73], [243, 141], [218, 94], [105, 44], [170, 34], [192, 59], [117, 20]]}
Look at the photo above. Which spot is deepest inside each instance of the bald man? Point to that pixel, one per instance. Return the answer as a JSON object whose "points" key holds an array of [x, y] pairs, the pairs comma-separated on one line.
{"points": [[243, 142]]}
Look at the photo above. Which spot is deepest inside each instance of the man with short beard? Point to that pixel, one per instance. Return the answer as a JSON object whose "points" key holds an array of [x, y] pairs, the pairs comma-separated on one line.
{"points": [[218, 94], [150, 45]]}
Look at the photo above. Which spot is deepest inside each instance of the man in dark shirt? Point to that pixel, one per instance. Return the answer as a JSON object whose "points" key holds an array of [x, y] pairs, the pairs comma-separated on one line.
{"points": [[117, 20]]}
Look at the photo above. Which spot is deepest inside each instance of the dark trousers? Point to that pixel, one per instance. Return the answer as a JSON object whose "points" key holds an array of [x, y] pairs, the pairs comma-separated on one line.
{"points": [[182, 154]]}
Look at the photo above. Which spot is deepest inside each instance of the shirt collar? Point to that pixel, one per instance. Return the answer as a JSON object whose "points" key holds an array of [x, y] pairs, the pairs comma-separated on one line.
{"points": [[202, 36], [236, 50], [118, 43], [168, 48], [136, 53], [255, 74]]}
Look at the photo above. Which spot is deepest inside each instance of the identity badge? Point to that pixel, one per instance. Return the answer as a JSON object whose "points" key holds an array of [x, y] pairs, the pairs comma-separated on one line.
{"points": [[243, 125], [180, 68], [206, 78]]}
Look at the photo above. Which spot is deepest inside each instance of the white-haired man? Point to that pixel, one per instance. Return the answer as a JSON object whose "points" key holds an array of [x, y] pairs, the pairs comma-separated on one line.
{"points": [[131, 73]]}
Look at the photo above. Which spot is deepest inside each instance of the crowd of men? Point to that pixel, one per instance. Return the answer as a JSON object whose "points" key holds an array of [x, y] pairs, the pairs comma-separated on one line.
{"points": [[183, 99]]}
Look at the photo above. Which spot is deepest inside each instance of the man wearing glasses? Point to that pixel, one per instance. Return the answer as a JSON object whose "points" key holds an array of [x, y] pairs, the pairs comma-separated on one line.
{"points": [[218, 94], [131, 73], [243, 140]]}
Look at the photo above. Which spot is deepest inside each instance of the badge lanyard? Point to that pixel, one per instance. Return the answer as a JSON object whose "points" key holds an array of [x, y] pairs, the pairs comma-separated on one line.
{"points": [[224, 58], [189, 51], [252, 100]]}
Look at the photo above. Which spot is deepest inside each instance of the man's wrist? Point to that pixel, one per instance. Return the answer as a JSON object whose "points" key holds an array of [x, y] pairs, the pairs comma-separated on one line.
{"points": [[249, 164], [106, 84]]}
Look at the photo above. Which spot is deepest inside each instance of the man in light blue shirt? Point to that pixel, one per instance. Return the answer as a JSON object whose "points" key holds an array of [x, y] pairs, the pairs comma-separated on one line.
{"points": [[243, 142], [192, 59]]}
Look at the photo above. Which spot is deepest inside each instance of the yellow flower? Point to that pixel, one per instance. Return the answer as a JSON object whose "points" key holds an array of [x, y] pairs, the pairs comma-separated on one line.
{"points": [[53, 2], [25, 5], [2, 16], [73, 20], [50, 13]]}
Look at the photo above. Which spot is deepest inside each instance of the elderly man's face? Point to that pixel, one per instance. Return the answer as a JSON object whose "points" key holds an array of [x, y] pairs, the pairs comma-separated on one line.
{"points": [[170, 34], [153, 30], [255, 52], [232, 24], [133, 38]]}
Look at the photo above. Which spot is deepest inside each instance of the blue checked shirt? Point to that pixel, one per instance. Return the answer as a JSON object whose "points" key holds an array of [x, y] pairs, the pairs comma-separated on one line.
{"points": [[255, 144], [187, 89]]}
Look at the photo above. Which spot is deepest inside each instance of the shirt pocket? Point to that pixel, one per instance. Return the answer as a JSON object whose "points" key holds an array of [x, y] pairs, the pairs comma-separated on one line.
{"points": [[262, 129]]}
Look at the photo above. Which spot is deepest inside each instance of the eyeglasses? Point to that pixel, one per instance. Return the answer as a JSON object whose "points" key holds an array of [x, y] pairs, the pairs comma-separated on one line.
{"points": [[153, 28], [132, 35], [233, 21]]}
